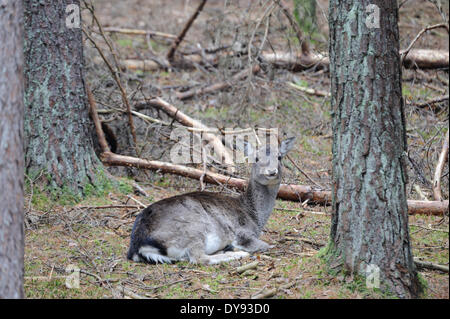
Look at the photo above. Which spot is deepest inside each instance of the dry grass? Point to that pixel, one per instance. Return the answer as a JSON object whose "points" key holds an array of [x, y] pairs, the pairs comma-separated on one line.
{"points": [[96, 241]]}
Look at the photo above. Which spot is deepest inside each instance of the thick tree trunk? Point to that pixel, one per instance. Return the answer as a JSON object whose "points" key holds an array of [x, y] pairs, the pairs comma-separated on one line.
{"points": [[58, 130], [370, 215], [11, 150]]}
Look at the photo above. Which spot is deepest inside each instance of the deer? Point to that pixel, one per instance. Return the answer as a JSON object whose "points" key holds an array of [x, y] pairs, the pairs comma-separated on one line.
{"points": [[210, 227]]}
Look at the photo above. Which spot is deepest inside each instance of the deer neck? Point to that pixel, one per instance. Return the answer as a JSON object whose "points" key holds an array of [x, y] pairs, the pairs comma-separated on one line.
{"points": [[260, 200]]}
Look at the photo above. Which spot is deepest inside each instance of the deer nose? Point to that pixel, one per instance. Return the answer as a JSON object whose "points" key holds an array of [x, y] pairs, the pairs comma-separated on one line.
{"points": [[272, 172]]}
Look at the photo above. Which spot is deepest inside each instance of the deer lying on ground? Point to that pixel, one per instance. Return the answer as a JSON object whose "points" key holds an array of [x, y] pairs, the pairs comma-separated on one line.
{"points": [[206, 227]]}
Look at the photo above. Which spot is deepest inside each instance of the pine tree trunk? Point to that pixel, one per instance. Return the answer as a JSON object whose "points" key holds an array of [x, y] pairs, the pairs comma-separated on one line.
{"points": [[370, 214], [58, 130], [11, 150]]}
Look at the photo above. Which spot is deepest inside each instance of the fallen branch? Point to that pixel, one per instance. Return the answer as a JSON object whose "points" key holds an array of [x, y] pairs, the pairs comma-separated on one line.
{"points": [[443, 157], [309, 90], [272, 292], [291, 192], [417, 58], [186, 120], [295, 62], [419, 207], [218, 86], [252, 265], [140, 32], [187, 61], [431, 102], [429, 265], [426, 59], [107, 207], [428, 228]]}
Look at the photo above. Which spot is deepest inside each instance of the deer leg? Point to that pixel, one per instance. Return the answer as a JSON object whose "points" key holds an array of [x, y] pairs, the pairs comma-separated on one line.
{"points": [[197, 255], [225, 257], [251, 243]]}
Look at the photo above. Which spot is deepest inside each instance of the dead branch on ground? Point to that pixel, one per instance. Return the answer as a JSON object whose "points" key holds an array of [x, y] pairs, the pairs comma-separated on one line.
{"points": [[186, 120], [429, 265], [188, 62], [296, 62], [291, 192], [431, 102], [140, 32], [217, 86], [426, 59], [309, 90]]}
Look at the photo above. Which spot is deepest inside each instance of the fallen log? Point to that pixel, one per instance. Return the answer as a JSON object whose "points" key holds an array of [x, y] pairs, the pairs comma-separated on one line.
{"points": [[287, 191], [417, 58], [429, 265], [139, 32], [188, 61], [217, 86], [296, 61], [421, 207], [426, 59]]}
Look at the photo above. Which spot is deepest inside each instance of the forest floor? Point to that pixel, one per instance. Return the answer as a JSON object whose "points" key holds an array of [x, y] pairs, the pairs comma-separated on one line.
{"points": [[96, 240], [93, 235]]}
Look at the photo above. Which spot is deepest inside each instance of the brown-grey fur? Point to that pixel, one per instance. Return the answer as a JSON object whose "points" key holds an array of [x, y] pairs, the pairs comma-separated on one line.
{"points": [[195, 226]]}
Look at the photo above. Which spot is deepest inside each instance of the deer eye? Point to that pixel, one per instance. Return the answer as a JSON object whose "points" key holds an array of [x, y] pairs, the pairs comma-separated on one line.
{"points": [[279, 157], [256, 160]]}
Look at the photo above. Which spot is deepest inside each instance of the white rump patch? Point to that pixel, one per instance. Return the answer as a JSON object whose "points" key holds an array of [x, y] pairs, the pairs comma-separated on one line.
{"points": [[152, 254]]}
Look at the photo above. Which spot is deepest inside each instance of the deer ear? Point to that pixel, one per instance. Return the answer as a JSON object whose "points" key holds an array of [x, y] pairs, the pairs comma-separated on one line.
{"points": [[287, 145]]}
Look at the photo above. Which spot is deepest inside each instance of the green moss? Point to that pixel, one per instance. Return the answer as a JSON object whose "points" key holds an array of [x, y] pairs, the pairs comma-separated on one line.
{"points": [[45, 194]]}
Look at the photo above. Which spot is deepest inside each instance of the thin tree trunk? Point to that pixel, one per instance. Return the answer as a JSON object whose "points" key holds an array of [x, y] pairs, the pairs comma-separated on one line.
{"points": [[11, 150], [370, 215], [58, 130]]}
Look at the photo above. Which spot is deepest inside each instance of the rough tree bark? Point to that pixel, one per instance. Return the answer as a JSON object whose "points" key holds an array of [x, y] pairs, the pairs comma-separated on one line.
{"points": [[58, 130], [370, 214], [11, 150]]}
